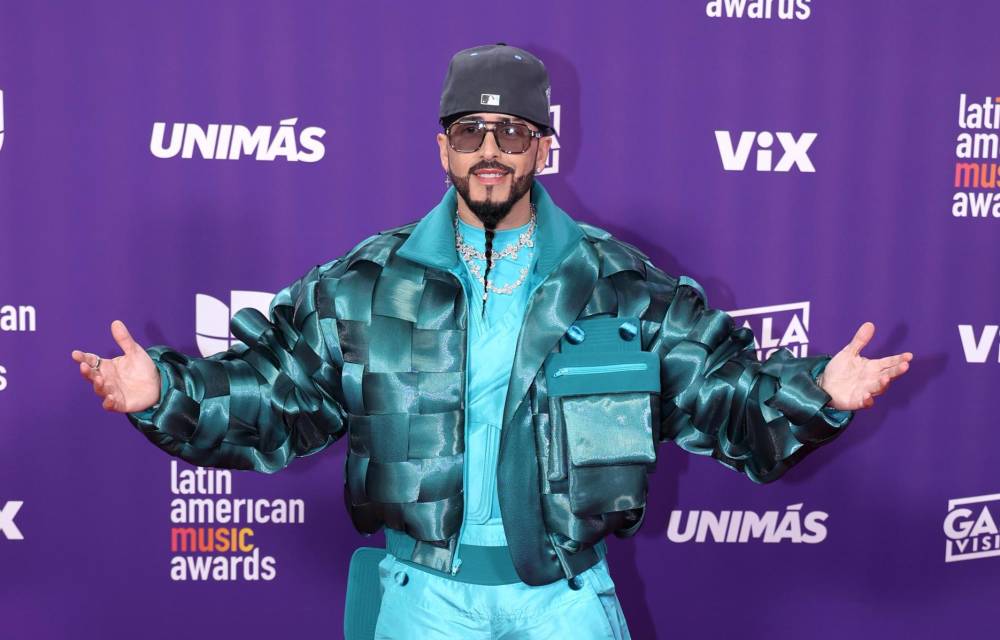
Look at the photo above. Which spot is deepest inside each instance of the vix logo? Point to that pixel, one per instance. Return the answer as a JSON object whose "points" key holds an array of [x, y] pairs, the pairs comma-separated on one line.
{"points": [[794, 150], [212, 318], [977, 349], [782, 326], [7, 526], [552, 162], [1, 118]]}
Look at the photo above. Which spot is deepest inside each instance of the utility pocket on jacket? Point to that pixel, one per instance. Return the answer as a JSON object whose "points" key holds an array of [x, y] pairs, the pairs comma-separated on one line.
{"points": [[601, 416]]}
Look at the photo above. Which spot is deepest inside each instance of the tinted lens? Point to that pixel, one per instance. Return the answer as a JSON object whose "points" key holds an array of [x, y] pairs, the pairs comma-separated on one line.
{"points": [[513, 138], [466, 136]]}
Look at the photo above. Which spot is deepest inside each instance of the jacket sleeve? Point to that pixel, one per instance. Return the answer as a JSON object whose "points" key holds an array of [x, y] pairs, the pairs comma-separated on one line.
{"points": [[262, 403], [718, 399]]}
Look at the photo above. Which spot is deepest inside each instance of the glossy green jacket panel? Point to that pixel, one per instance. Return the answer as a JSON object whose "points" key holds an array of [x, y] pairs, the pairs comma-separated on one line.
{"points": [[372, 345]]}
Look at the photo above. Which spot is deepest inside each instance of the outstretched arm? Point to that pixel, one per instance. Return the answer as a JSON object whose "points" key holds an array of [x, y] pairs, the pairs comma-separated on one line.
{"points": [[760, 418], [261, 405]]}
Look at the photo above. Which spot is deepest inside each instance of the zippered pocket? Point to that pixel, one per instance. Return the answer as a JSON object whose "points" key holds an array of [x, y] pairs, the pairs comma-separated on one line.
{"points": [[601, 414], [600, 368], [581, 372]]}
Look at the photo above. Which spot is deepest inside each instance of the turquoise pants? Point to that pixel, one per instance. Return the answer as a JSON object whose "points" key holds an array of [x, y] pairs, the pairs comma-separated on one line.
{"points": [[420, 605]]}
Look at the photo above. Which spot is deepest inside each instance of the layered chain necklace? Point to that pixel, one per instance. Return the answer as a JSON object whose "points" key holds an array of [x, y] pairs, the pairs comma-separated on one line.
{"points": [[470, 253]]}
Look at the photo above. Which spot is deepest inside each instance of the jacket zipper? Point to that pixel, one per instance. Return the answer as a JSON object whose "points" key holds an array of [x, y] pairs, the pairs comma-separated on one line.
{"points": [[601, 368], [456, 561]]}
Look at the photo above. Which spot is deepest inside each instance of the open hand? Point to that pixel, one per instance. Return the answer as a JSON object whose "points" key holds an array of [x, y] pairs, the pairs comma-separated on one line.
{"points": [[853, 381], [127, 383]]}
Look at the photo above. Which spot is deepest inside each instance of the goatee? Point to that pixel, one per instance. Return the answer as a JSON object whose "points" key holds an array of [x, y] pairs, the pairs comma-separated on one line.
{"points": [[490, 212]]}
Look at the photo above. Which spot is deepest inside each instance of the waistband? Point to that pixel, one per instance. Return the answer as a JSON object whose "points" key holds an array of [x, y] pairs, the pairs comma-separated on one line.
{"points": [[480, 565]]}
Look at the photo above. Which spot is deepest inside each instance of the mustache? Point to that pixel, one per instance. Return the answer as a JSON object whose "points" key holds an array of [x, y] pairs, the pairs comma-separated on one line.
{"points": [[495, 166]]}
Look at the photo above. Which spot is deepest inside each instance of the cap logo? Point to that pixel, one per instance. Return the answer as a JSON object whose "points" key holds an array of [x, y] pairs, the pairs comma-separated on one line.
{"points": [[491, 99]]}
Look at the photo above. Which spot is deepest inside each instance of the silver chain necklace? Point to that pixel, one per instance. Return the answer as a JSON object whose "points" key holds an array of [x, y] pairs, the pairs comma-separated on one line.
{"points": [[469, 253]]}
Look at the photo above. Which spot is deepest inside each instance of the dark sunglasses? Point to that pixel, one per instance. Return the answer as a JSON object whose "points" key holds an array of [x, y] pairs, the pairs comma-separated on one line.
{"points": [[466, 136]]}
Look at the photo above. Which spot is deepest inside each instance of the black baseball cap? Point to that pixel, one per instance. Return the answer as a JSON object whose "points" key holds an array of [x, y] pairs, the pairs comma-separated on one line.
{"points": [[499, 78]]}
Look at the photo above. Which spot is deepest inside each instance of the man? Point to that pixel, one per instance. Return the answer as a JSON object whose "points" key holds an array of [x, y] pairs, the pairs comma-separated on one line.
{"points": [[504, 374]]}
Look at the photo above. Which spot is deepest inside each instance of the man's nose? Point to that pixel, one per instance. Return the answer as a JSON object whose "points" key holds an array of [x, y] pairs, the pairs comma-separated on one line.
{"points": [[489, 148]]}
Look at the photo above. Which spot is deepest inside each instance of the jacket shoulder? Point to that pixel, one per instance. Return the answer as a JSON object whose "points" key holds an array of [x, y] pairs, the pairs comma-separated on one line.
{"points": [[378, 247], [617, 255]]}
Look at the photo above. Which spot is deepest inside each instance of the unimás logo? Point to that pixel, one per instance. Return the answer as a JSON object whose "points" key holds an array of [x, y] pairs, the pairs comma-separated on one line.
{"points": [[977, 348], [774, 526], [976, 151], [552, 162], [7, 514], [759, 9], [794, 150], [781, 326], [213, 316], [234, 141], [970, 528]]}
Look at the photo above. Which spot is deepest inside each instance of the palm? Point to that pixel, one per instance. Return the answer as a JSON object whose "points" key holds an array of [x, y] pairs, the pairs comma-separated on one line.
{"points": [[853, 381], [127, 383]]}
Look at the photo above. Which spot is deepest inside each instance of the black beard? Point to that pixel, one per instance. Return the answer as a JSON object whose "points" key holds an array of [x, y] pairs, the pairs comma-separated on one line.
{"points": [[491, 212]]}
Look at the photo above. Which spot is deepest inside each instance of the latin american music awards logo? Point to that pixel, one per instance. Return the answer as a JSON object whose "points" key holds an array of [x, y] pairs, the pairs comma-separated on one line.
{"points": [[977, 149]]}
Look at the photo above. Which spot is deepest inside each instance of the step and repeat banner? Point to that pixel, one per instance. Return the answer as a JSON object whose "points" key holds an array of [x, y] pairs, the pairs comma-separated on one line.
{"points": [[814, 164]]}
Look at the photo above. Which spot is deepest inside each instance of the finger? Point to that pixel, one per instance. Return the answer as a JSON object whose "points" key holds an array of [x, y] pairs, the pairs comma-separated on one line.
{"points": [[861, 338], [877, 384], [108, 402], [883, 384], [867, 400], [88, 371], [888, 361], [892, 361], [898, 370], [123, 337]]}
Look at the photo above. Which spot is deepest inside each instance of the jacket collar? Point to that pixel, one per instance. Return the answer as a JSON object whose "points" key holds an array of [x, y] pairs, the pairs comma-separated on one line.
{"points": [[432, 241]]}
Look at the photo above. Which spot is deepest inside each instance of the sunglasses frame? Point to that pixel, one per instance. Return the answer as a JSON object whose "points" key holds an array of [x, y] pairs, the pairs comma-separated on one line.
{"points": [[486, 129]]}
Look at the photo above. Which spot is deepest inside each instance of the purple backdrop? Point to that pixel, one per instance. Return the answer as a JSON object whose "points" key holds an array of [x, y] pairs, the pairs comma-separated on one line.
{"points": [[862, 226]]}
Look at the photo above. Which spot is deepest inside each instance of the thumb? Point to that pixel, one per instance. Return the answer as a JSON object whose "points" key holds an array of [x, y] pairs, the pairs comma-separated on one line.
{"points": [[861, 338], [123, 337]]}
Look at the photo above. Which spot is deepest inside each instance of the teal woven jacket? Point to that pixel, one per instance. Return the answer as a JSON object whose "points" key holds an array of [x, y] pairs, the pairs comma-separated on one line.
{"points": [[614, 357]]}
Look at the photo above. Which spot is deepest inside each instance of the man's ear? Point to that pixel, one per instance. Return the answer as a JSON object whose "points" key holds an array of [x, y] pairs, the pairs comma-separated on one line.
{"points": [[442, 141], [544, 144]]}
